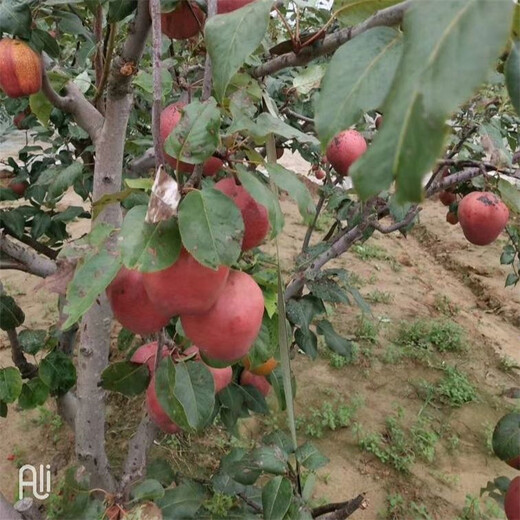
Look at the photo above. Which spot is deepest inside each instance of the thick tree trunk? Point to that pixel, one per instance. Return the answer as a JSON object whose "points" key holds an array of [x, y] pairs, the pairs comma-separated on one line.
{"points": [[96, 325], [7, 511]]}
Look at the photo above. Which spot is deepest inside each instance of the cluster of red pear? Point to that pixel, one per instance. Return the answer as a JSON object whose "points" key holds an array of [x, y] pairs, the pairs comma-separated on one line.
{"points": [[186, 20]]}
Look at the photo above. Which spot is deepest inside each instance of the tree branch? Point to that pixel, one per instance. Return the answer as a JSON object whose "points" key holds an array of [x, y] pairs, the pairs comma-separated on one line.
{"points": [[340, 510], [125, 66], [28, 370], [155, 8], [35, 264], [196, 176], [412, 213], [140, 165], [386, 17], [135, 464], [76, 104]]}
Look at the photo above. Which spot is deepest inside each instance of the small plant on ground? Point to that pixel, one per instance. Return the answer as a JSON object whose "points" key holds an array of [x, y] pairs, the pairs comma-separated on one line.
{"points": [[508, 364], [331, 416], [398, 508], [445, 306], [366, 330], [377, 296], [441, 335], [455, 389]]}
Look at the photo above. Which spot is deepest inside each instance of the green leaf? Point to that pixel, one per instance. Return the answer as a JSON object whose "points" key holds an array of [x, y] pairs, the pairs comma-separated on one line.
{"points": [[41, 107], [148, 247], [310, 457], [15, 18], [301, 312], [126, 378], [32, 341], [268, 124], [511, 279], [280, 439], [512, 74], [182, 502], [358, 79], [307, 341], [288, 181], [40, 224], [196, 136], [186, 392], [309, 79], [69, 214], [232, 37], [149, 489], [334, 341], [352, 12], [11, 316], [269, 459], [276, 498], [58, 372], [144, 80], [120, 9], [14, 221], [34, 393], [327, 289], [161, 470], [125, 338], [91, 278], [442, 64], [253, 399], [3, 409], [263, 195], [510, 194], [211, 227], [10, 384], [64, 180]]}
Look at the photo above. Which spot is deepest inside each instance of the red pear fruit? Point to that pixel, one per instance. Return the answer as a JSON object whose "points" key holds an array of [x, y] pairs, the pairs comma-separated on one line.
{"points": [[156, 412], [20, 69], [482, 216], [131, 305], [228, 330], [256, 219], [186, 287], [259, 382], [344, 149], [184, 22]]}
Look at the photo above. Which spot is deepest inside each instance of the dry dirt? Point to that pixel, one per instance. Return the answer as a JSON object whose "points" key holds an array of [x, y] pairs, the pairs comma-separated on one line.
{"points": [[431, 273]]}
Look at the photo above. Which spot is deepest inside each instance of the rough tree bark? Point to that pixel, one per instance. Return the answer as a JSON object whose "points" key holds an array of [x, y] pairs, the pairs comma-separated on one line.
{"points": [[96, 324]]}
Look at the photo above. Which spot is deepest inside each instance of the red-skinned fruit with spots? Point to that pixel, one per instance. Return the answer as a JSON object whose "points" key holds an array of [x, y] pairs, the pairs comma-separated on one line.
{"points": [[20, 69], [186, 287], [344, 149], [482, 217], [131, 305], [256, 219], [228, 330]]}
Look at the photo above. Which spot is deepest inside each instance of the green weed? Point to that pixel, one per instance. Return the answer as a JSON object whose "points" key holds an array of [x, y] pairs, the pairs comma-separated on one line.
{"points": [[443, 305], [400, 509], [377, 296], [331, 416], [441, 335], [455, 389], [368, 251], [508, 365]]}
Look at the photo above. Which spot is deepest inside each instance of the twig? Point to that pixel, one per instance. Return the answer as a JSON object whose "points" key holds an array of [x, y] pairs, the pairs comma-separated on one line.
{"points": [[291, 113], [37, 265], [112, 29], [196, 176], [37, 246], [155, 8], [412, 213], [339, 510], [28, 370], [251, 503], [386, 17], [76, 104], [311, 228]]}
